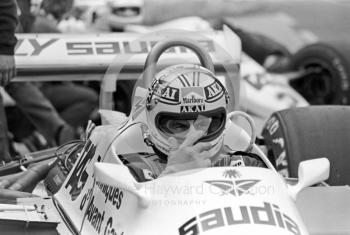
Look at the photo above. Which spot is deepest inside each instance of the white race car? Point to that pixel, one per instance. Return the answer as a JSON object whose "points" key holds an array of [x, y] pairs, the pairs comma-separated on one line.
{"points": [[86, 57], [94, 192]]}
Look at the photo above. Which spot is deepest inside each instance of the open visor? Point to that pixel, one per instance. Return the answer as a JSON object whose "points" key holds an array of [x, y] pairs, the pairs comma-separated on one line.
{"points": [[211, 123]]}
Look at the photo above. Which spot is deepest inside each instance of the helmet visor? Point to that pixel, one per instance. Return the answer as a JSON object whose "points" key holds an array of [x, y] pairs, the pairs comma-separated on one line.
{"points": [[211, 123]]}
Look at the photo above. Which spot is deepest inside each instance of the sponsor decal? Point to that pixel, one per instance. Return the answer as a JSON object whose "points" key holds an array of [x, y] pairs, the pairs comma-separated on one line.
{"points": [[233, 187], [112, 194], [87, 196], [281, 160], [94, 215], [167, 95], [192, 108], [279, 141], [192, 95], [268, 214], [36, 46], [272, 125], [192, 100], [282, 163], [213, 92], [109, 229], [277, 145], [79, 176], [170, 94]]}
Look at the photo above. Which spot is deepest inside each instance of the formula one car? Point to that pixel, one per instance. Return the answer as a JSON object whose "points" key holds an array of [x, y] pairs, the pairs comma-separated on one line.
{"points": [[87, 57], [94, 192]]}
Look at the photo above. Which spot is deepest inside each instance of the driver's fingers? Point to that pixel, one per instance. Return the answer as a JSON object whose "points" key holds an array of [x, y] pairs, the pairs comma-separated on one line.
{"points": [[202, 146], [192, 137]]}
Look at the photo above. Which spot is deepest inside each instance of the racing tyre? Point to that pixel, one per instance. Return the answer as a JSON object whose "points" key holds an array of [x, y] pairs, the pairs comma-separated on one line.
{"points": [[326, 74], [298, 134]]}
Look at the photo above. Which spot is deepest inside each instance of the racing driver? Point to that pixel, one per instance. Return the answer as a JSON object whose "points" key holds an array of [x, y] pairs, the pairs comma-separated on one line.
{"points": [[186, 111]]}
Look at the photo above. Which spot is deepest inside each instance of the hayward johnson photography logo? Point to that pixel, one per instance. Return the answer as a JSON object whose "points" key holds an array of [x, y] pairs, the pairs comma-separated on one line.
{"points": [[231, 185]]}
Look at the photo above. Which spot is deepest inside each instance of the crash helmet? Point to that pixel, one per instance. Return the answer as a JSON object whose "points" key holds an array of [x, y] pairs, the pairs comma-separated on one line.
{"points": [[125, 12], [58, 9], [182, 97]]}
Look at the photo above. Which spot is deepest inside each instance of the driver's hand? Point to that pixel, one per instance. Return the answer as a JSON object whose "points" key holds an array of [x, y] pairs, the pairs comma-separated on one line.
{"points": [[7, 69], [188, 155]]}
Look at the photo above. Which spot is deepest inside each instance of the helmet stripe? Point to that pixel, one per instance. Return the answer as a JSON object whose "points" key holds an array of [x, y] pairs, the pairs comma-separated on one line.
{"points": [[185, 79], [193, 79], [183, 83], [197, 77]]}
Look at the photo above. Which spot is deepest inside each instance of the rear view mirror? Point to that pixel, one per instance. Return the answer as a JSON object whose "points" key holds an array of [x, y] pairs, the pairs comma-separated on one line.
{"points": [[310, 172]]}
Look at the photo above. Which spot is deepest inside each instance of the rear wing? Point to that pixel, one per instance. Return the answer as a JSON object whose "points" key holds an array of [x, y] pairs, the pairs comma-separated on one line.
{"points": [[60, 57]]}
